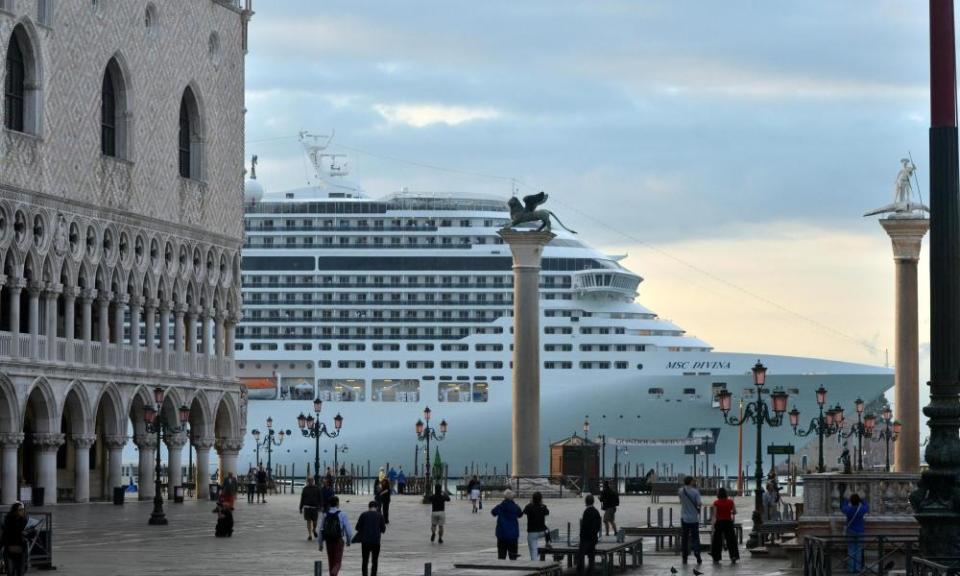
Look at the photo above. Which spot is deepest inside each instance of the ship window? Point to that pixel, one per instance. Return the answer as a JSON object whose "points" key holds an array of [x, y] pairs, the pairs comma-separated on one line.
{"points": [[621, 365], [396, 391], [481, 390], [690, 391], [454, 392], [297, 388], [341, 390], [655, 391]]}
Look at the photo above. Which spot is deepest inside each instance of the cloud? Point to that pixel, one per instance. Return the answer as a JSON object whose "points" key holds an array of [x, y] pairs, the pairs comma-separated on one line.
{"points": [[421, 115]]}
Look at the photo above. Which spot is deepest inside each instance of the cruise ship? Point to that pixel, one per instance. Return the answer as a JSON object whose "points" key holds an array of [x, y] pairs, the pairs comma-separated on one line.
{"points": [[383, 306]]}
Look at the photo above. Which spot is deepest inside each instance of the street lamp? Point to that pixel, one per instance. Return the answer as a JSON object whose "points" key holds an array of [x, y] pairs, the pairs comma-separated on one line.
{"points": [[583, 455], [311, 427], [759, 413], [425, 433], [859, 430], [272, 438], [155, 424], [820, 425], [891, 430]]}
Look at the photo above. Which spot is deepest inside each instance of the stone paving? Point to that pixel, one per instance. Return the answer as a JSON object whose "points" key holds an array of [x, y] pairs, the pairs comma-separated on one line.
{"points": [[103, 540]]}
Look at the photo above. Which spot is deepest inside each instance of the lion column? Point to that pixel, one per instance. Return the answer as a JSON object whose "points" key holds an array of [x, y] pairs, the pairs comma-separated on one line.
{"points": [[527, 249]]}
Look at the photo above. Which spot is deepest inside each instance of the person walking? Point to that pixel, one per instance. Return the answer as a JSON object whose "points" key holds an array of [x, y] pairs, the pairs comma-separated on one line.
{"points": [[690, 505], [382, 496], [370, 525], [336, 533], [723, 512], [13, 540], [771, 502], [438, 507], [590, 526], [473, 490], [310, 500], [401, 482], [392, 477], [854, 509], [261, 485], [508, 525], [224, 511], [327, 494], [609, 501], [251, 484], [231, 486], [536, 513]]}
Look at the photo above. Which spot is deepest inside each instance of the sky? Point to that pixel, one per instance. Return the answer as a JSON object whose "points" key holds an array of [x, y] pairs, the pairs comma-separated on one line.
{"points": [[728, 148]]}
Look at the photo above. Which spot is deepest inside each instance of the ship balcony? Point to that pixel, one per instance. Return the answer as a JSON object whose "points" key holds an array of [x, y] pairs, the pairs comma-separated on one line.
{"points": [[610, 283]]}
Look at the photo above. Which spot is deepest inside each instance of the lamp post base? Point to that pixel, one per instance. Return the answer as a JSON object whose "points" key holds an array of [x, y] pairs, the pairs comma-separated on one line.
{"points": [[753, 540], [157, 517]]}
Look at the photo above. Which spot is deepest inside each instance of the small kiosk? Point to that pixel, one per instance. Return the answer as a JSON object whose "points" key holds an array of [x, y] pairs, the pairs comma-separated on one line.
{"points": [[577, 456]]}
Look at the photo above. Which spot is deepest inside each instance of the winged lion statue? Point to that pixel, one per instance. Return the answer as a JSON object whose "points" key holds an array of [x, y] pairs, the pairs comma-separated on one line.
{"points": [[528, 212]]}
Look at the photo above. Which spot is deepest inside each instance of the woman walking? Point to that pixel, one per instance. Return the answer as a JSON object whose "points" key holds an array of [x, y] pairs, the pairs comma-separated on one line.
{"points": [[508, 526], [382, 497], [473, 490], [723, 512], [536, 513], [14, 542]]}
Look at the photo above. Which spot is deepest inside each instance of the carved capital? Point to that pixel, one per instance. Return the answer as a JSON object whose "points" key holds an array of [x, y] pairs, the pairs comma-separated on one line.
{"points": [[83, 441], [136, 301], [150, 303], [88, 295], [179, 309], [175, 441], [114, 442], [11, 438], [104, 297], [121, 299], [47, 440], [229, 445], [71, 292], [145, 441], [164, 306], [53, 289], [16, 284], [203, 443], [36, 288]]}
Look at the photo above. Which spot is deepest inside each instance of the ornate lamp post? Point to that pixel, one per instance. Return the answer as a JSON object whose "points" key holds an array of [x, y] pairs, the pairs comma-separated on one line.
{"points": [[311, 427], [425, 433], [583, 457], [272, 438], [759, 413], [155, 424], [820, 425], [891, 430]]}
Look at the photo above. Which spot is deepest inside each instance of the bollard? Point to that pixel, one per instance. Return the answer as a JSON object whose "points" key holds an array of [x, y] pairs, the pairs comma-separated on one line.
{"points": [[568, 534], [427, 569], [671, 517], [648, 518], [317, 568]]}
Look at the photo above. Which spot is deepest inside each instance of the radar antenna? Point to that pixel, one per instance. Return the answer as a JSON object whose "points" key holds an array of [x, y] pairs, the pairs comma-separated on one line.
{"points": [[315, 145]]}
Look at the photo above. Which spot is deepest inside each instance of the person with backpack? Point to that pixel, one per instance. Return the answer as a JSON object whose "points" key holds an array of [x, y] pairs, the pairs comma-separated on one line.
{"points": [[854, 509], [590, 526], [690, 505], [438, 506], [370, 526], [310, 506], [336, 533], [536, 513], [609, 500], [508, 525]]}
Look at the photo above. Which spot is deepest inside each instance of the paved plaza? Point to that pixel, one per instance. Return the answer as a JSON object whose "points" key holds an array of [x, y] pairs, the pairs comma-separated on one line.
{"points": [[102, 539]]}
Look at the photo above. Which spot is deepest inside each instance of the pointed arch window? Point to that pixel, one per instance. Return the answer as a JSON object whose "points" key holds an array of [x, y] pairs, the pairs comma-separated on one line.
{"points": [[184, 139], [190, 143], [14, 86], [108, 115]]}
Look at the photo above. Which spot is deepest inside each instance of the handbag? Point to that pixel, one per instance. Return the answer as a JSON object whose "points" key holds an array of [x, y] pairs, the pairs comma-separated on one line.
{"points": [[480, 504]]}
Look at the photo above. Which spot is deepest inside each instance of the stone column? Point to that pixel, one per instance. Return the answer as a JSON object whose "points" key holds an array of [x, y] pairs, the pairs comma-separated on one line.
{"points": [[34, 290], [135, 302], [114, 445], [10, 443], [69, 306], [104, 302], [527, 249], [228, 449], [150, 326], [51, 295], [906, 235], [164, 334], [46, 446], [219, 346], [119, 311], [202, 471], [178, 312], [81, 465], [230, 327], [147, 447], [15, 287], [174, 444], [86, 299], [205, 315]]}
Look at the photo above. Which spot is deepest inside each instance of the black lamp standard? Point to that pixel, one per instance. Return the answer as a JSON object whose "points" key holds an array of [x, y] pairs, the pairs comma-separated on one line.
{"points": [[859, 430], [583, 457], [425, 433], [891, 430], [311, 427], [759, 413], [155, 424], [272, 438], [820, 425]]}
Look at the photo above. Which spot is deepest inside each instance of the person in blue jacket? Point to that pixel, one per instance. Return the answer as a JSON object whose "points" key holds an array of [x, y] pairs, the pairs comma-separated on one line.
{"points": [[854, 509], [508, 515]]}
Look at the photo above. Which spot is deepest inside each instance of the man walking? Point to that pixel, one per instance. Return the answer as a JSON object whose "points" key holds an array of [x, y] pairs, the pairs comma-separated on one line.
{"points": [[690, 506], [336, 533], [261, 485], [590, 526], [251, 484], [370, 526], [609, 500], [310, 506], [401, 481]]}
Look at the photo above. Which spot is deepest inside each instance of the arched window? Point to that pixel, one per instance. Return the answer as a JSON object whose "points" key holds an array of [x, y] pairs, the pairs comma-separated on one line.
{"points": [[14, 86], [113, 112], [190, 138]]}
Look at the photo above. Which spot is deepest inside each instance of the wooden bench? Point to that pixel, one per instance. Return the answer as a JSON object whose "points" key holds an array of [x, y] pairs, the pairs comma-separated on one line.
{"points": [[607, 550], [498, 567]]}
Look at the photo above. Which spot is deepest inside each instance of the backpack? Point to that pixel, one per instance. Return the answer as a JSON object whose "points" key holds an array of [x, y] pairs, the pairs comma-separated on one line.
{"points": [[331, 529]]}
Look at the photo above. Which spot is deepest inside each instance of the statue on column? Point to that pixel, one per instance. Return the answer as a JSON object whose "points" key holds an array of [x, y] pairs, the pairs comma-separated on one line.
{"points": [[528, 212], [903, 204]]}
